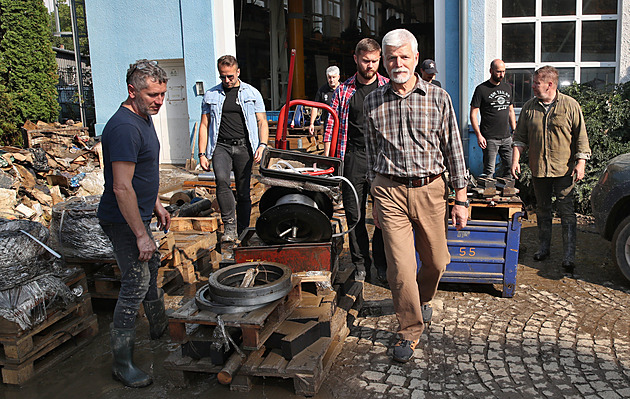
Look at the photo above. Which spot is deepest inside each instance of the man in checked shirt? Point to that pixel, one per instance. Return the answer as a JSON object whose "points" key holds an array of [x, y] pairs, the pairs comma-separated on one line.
{"points": [[411, 140]]}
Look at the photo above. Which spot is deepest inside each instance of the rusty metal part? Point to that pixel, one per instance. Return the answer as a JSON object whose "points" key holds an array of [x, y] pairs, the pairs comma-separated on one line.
{"points": [[204, 302]]}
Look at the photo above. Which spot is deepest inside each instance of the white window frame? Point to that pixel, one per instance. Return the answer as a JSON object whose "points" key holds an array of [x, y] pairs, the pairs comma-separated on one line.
{"points": [[539, 19]]}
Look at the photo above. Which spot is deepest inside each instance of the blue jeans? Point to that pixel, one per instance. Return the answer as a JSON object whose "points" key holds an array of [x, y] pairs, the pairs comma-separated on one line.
{"points": [[138, 279], [237, 158], [503, 147]]}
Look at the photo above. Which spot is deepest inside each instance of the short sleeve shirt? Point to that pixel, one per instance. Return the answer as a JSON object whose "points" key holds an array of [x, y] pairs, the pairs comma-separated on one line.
{"points": [[128, 137]]}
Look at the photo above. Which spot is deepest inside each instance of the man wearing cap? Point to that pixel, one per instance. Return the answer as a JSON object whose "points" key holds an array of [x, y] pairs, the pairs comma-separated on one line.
{"points": [[233, 133], [494, 98], [428, 70], [325, 95]]}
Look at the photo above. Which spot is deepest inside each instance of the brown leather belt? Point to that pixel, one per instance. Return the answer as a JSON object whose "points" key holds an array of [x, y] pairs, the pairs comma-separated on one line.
{"points": [[413, 181]]}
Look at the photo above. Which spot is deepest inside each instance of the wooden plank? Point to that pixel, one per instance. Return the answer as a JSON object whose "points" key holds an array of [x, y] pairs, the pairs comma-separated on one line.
{"points": [[274, 363]]}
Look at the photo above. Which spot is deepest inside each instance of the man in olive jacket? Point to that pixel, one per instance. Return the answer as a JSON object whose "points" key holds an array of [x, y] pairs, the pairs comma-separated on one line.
{"points": [[552, 126]]}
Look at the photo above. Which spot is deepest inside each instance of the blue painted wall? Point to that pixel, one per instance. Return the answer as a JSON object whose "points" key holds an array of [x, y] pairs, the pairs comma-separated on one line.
{"points": [[451, 83], [477, 73], [123, 31]]}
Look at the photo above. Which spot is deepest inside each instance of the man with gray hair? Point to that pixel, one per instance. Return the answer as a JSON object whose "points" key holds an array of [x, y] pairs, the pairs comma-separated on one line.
{"points": [[408, 152], [325, 95], [131, 156]]}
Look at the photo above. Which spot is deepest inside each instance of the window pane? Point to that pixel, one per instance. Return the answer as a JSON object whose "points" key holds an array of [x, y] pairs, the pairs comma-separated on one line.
{"points": [[317, 6], [599, 7], [519, 8], [599, 40], [558, 41], [521, 81], [558, 7], [597, 77], [566, 76], [518, 42]]}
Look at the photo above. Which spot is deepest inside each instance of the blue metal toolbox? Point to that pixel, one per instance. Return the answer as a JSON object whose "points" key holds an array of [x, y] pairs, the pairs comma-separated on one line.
{"points": [[485, 252]]}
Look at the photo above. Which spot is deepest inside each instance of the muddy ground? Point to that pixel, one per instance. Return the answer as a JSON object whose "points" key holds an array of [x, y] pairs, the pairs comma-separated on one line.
{"points": [[87, 373]]}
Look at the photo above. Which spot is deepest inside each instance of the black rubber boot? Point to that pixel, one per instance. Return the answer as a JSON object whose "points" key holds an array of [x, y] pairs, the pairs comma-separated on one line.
{"points": [[544, 240], [123, 369], [569, 237], [156, 314]]}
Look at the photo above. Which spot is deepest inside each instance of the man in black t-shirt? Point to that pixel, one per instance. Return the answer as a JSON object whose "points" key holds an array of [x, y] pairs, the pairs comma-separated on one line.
{"points": [[325, 95], [131, 157], [494, 98], [233, 133]]}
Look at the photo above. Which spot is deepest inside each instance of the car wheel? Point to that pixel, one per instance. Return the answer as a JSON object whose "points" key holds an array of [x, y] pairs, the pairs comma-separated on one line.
{"points": [[621, 247]]}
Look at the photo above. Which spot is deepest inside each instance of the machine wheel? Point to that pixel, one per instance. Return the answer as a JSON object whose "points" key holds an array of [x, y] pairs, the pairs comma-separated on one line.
{"points": [[621, 247]]}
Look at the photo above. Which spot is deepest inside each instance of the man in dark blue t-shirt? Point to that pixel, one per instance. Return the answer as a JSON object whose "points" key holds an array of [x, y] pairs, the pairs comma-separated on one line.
{"points": [[131, 157]]}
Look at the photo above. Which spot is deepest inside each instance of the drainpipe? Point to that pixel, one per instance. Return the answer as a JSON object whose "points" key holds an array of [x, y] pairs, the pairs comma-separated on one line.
{"points": [[463, 74], [296, 41]]}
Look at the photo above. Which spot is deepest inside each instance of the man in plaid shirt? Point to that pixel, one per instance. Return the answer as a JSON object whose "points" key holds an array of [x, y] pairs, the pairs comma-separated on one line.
{"points": [[411, 139], [348, 103]]}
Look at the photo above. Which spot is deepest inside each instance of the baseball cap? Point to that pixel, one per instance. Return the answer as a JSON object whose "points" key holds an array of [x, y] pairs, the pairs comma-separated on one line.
{"points": [[429, 66]]}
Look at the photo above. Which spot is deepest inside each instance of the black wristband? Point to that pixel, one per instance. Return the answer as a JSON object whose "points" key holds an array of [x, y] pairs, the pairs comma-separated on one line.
{"points": [[202, 154]]}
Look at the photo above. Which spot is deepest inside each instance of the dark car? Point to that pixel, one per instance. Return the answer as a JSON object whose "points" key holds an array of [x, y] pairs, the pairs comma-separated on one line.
{"points": [[611, 207]]}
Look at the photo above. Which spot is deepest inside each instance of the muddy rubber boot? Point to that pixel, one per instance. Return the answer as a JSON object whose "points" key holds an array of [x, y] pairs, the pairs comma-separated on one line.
{"points": [[229, 231], [123, 369], [569, 236], [544, 240], [156, 314]]}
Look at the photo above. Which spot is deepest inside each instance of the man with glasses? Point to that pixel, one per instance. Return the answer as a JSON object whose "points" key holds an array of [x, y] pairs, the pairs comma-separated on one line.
{"points": [[233, 134], [552, 127], [131, 156]]}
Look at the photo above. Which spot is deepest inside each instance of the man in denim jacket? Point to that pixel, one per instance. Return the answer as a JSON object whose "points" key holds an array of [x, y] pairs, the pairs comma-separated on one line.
{"points": [[233, 134]]}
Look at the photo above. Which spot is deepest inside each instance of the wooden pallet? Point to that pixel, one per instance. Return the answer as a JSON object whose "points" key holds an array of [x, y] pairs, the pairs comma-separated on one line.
{"points": [[66, 329], [308, 369], [186, 258], [256, 325], [50, 347], [11, 330]]}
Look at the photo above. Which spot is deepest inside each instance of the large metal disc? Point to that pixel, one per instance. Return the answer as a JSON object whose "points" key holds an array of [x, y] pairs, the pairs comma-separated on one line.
{"points": [[275, 193], [293, 223]]}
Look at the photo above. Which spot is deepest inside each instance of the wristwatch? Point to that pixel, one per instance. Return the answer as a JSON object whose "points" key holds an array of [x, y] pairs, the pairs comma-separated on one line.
{"points": [[202, 154], [463, 203]]}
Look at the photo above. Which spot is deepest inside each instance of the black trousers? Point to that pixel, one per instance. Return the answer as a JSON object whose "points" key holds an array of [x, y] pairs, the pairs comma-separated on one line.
{"points": [[355, 170]]}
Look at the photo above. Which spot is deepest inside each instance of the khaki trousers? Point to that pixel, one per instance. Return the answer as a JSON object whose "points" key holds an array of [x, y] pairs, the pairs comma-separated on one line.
{"points": [[401, 212]]}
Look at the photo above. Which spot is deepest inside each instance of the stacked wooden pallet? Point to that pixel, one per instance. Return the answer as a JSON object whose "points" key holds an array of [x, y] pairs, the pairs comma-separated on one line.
{"points": [[296, 338], [188, 254], [65, 330]]}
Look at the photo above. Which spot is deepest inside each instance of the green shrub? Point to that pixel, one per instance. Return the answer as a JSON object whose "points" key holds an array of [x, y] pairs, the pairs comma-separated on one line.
{"points": [[28, 71], [607, 116]]}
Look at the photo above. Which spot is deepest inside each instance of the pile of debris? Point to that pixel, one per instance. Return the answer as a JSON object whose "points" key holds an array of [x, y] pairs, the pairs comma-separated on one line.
{"points": [[60, 161]]}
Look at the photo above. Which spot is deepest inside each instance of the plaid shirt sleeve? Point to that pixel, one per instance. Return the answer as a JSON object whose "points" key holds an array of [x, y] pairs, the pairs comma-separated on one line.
{"points": [[452, 147]]}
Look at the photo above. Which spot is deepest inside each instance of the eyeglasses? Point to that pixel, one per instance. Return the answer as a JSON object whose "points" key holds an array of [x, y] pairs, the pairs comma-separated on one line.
{"points": [[141, 65], [226, 77]]}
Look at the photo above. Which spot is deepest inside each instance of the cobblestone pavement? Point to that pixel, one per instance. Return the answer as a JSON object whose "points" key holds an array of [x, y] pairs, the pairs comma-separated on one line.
{"points": [[559, 336]]}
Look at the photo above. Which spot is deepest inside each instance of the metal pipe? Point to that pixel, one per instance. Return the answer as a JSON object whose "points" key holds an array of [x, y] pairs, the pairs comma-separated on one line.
{"points": [[463, 69]]}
